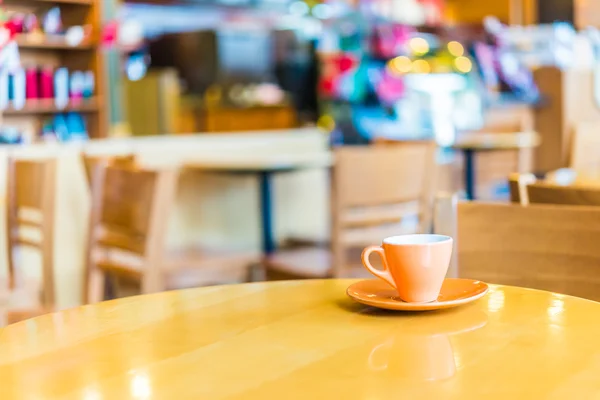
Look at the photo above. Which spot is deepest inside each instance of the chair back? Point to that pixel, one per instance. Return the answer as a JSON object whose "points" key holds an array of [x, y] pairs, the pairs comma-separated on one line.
{"points": [[585, 148], [129, 214], [380, 191], [544, 193], [502, 120], [546, 247], [518, 187], [31, 192], [91, 161], [525, 189]]}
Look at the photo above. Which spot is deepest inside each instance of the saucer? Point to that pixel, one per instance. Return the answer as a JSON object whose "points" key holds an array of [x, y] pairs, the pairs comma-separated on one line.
{"points": [[455, 292]]}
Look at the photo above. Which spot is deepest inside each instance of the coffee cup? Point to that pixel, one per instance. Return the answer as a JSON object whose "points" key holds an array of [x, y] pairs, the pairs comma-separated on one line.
{"points": [[415, 265]]}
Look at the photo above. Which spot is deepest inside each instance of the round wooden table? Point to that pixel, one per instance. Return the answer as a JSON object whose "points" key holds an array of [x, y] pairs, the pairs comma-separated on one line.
{"points": [[305, 340]]}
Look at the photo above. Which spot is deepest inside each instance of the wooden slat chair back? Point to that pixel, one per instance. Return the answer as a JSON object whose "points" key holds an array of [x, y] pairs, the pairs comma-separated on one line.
{"points": [[518, 187], [91, 161], [544, 193], [585, 147], [382, 175], [129, 213], [377, 191], [31, 191], [503, 120], [525, 189], [546, 247]]}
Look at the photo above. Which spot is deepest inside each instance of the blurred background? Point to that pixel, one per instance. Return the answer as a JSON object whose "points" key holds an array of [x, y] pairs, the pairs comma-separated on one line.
{"points": [[364, 69], [250, 101]]}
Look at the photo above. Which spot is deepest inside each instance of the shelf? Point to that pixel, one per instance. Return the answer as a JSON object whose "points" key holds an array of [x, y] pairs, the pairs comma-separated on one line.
{"points": [[53, 50], [50, 43], [47, 107]]}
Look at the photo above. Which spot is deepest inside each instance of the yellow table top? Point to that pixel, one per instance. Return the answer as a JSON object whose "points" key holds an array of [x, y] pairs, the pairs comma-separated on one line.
{"points": [[305, 340]]}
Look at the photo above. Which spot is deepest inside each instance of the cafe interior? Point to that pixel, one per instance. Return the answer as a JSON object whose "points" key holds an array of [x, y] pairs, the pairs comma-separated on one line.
{"points": [[192, 191]]}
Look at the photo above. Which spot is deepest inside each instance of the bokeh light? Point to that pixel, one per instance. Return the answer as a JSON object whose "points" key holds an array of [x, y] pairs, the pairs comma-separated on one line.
{"points": [[326, 122], [322, 11], [399, 65], [455, 48], [419, 46], [299, 8], [463, 64], [421, 67]]}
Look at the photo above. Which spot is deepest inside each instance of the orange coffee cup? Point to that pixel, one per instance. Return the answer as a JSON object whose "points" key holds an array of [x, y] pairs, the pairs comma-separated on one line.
{"points": [[415, 265]]}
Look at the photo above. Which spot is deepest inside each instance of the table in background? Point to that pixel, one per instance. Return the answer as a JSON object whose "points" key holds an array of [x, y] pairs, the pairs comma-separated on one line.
{"points": [[264, 167], [469, 144], [305, 339]]}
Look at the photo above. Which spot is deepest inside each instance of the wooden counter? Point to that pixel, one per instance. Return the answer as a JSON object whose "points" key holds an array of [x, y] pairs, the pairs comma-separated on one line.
{"points": [[216, 209], [226, 119]]}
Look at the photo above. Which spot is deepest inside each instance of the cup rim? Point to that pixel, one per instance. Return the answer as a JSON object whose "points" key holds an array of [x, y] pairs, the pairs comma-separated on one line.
{"points": [[411, 240]]}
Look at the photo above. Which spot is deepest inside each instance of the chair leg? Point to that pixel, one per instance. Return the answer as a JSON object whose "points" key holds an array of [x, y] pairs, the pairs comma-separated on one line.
{"points": [[152, 280], [97, 282], [257, 272]]}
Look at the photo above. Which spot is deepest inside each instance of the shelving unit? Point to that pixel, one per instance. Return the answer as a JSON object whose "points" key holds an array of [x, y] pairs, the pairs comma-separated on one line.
{"points": [[48, 107], [56, 52], [51, 43]]}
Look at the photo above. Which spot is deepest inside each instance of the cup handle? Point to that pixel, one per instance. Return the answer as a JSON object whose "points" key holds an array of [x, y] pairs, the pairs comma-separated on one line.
{"points": [[385, 274]]}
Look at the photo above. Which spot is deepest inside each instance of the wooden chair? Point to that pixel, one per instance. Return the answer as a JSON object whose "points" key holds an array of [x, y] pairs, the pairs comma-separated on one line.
{"points": [[518, 187], [524, 189], [544, 193], [585, 147], [30, 211], [545, 247], [377, 191], [91, 161], [130, 209], [508, 119]]}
